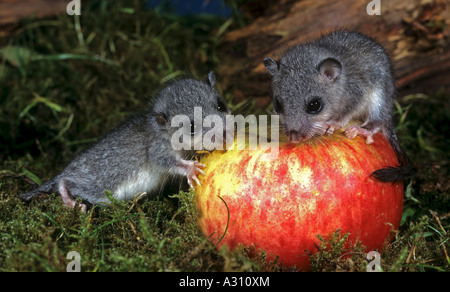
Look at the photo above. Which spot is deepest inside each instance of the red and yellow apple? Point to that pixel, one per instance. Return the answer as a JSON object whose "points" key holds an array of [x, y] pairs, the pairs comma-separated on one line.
{"points": [[312, 188]]}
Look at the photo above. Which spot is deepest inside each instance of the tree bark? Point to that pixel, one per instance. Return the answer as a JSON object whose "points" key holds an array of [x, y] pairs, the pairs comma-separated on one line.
{"points": [[12, 11], [414, 33]]}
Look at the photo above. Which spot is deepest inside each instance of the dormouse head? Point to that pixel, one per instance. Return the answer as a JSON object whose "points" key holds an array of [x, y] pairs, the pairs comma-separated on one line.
{"points": [[307, 92], [191, 107]]}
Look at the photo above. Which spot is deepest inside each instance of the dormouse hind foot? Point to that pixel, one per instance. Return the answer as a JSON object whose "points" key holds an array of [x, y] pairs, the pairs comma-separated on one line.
{"points": [[67, 198], [352, 131]]}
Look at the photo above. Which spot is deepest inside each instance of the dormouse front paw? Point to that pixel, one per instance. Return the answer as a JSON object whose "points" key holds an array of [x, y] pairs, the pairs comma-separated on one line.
{"points": [[330, 130], [191, 170], [352, 131], [330, 127]]}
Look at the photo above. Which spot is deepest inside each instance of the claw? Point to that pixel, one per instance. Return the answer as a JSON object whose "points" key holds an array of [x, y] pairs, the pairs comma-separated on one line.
{"points": [[352, 131], [329, 131], [191, 185], [199, 165], [331, 127], [196, 180]]}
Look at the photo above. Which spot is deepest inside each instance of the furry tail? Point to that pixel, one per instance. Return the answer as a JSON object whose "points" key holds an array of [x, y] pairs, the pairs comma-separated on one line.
{"points": [[46, 188], [402, 172]]}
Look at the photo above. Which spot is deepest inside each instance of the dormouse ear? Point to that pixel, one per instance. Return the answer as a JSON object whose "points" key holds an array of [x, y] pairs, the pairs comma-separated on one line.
{"points": [[330, 69], [271, 65], [211, 80]]}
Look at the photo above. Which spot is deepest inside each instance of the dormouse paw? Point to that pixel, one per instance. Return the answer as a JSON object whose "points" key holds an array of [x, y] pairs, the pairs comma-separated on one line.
{"points": [[330, 130], [330, 127], [352, 131], [67, 198], [192, 169]]}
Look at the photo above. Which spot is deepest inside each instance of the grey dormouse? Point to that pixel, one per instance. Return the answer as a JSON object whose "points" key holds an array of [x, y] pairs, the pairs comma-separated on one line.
{"points": [[137, 156], [343, 79]]}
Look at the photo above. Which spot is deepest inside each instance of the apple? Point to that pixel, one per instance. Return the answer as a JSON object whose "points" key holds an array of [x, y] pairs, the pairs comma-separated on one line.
{"points": [[313, 188]]}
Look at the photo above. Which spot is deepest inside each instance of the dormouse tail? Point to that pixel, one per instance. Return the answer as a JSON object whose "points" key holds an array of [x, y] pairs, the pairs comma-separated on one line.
{"points": [[46, 188], [401, 173], [394, 174]]}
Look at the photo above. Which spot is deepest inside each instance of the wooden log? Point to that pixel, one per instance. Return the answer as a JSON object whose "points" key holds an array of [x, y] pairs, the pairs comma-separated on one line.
{"points": [[12, 11], [415, 34]]}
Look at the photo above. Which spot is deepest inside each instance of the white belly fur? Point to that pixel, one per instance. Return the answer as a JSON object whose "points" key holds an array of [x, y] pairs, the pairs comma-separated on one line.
{"points": [[144, 180], [375, 103]]}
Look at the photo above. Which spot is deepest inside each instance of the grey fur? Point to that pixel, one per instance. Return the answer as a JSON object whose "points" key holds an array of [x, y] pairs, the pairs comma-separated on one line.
{"points": [[351, 76], [138, 153]]}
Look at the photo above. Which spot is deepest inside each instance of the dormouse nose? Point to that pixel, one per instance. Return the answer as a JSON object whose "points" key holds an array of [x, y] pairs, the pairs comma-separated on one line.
{"points": [[296, 136]]}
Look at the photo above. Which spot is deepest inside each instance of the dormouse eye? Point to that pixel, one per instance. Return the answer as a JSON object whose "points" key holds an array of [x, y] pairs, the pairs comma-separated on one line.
{"points": [[314, 106], [193, 128], [221, 106], [278, 106]]}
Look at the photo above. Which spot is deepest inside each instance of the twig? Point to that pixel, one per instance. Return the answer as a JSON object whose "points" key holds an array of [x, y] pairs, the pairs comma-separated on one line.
{"points": [[444, 231], [228, 222]]}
